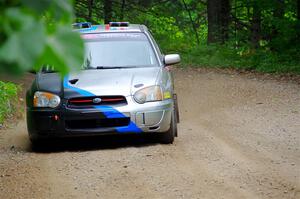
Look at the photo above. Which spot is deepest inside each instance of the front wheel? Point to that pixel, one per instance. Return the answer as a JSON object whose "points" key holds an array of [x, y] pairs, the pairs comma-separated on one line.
{"points": [[38, 144], [168, 137]]}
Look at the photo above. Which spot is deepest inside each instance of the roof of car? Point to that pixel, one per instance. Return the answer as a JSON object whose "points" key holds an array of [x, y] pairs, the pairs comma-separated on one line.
{"points": [[109, 28]]}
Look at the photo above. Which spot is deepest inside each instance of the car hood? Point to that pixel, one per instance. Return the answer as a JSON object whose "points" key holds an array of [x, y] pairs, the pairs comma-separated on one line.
{"points": [[101, 82]]}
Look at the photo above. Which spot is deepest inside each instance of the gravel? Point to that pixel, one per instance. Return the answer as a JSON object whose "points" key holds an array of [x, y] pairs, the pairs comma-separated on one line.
{"points": [[238, 138]]}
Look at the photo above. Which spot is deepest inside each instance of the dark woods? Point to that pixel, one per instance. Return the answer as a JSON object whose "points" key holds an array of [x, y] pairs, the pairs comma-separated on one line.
{"points": [[244, 27]]}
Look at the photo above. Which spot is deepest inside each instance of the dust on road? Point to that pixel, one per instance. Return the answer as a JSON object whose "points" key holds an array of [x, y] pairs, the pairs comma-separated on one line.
{"points": [[238, 138]]}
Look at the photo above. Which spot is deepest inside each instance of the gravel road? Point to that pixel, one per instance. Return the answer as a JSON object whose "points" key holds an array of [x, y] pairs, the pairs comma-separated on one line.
{"points": [[239, 137]]}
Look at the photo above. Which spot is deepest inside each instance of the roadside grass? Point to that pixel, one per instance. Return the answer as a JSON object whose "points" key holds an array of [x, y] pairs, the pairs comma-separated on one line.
{"points": [[8, 100], [264, 61]]}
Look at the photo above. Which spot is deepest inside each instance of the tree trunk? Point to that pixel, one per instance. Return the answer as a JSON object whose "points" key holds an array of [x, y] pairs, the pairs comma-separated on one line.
{"points": [[278, 15], [279, 9], [298, 20], [225, 19], [256, 25], [218, 16], [90, 9], [107, 11], [298, 10], [122, 9], [192, 22]]}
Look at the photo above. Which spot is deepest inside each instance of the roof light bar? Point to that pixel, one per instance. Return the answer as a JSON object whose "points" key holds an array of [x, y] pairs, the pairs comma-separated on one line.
{"points": [[118, 24], [81, 25]]}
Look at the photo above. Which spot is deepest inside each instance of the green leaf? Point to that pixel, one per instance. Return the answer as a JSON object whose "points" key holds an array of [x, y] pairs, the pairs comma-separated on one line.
{"points": [[60, 8], [63, 10], [39, 6], [23, 45], [64, 50]]}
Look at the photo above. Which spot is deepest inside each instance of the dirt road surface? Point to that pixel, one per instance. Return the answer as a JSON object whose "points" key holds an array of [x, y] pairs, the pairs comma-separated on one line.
{"points": [[239, 137]]}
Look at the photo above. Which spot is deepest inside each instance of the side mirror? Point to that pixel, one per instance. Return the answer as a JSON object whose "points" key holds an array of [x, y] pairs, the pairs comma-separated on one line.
{"points": [[172, 59]]}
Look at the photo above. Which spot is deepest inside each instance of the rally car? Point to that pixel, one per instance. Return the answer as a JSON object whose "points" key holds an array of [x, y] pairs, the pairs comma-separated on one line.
{"points": [[125, 86]]}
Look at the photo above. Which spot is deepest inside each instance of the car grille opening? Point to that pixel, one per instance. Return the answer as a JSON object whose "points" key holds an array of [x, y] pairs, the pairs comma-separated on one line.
{"points": [[84, 102], [97, 123]]}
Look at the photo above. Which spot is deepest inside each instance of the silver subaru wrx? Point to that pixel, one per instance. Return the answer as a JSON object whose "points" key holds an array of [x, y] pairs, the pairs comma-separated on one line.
{"points": [[125, 86]]}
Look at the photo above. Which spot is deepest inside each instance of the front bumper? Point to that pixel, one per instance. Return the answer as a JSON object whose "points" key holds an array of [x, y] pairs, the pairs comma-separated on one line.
{"points": [[132, 118]]}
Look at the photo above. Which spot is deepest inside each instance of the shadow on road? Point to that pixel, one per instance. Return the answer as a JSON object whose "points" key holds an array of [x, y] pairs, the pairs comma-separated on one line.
{"points": [[93, 143]]}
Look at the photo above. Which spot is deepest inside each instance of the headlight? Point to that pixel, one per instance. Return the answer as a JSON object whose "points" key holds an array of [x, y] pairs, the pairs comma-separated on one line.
{"points": [[149, 94], [44, 99]]}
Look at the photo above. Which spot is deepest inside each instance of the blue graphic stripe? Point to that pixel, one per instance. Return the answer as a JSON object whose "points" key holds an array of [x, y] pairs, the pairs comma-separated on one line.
{"points": [[88, 29], [78, 90], [108, 111]]}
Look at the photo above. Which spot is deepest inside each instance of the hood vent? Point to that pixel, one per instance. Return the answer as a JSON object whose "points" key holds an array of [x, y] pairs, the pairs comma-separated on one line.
{"points": [[73, 81]]}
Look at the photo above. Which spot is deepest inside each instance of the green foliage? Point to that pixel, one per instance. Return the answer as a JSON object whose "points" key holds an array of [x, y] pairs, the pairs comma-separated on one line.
{"points": [[161, 27], [19, 48], [8, 99], [63, 50], [243, 58], [34, 33]]}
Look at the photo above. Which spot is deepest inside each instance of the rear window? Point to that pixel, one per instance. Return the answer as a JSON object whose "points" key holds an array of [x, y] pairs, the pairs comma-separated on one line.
{"points": [[118, 50]]}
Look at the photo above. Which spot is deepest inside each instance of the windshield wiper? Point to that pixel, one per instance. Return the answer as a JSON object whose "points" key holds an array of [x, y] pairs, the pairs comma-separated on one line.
{"points": [[109, 67], [114, 67]]}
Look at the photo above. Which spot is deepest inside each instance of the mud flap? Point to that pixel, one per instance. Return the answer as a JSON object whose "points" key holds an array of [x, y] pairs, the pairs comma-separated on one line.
{"points": [[176, 108]]}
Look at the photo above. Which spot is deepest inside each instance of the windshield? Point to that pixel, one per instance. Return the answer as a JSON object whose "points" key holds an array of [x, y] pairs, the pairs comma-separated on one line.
{"points": [[109, 50]]}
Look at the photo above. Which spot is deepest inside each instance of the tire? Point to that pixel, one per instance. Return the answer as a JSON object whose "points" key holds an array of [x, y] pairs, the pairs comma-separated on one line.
{"points": [[175, 129], [38, 144], [168, 137], [35, 145]]}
